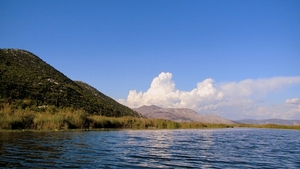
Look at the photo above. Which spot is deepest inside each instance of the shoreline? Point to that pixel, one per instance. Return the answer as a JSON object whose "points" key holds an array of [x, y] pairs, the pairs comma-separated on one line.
{"points": [[118, 129]]}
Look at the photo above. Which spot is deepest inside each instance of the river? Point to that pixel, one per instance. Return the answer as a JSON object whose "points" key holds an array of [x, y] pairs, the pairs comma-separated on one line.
{"points": [[188, 148]]}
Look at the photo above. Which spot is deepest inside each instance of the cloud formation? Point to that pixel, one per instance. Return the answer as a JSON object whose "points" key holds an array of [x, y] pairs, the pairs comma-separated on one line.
{"points": [[259, 87], [162, 92], [293, 101], [294, 108], [231, 100]]}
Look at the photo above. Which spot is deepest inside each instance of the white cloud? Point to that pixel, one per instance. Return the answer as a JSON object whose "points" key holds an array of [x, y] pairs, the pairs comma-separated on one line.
{"points": [[162, 92], [259, 87], [293, 101], [294, 111], [231, 100]]}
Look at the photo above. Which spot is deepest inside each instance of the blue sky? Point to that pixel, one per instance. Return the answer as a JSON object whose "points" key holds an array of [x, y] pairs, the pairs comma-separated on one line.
{"points": [[120, 46]]}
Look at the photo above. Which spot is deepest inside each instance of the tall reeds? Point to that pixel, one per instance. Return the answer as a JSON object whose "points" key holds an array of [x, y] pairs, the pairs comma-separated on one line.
{"points": [[52, 118]]}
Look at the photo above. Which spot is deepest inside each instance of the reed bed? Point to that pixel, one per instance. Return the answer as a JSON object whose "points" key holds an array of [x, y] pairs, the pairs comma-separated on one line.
{"points": [[53, 118]]}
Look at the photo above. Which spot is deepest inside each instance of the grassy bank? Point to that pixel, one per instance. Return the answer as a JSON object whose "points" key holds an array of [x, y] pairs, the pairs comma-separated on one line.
{"points": [[52, 118]]}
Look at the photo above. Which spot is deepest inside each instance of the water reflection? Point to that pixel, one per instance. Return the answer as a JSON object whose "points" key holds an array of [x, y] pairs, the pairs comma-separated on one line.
{"points": [[226, 148], [170, 147], [26, 148]]}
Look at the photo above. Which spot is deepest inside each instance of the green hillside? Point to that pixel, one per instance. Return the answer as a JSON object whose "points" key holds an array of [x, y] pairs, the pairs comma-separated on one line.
{"points": [[26, 81]]}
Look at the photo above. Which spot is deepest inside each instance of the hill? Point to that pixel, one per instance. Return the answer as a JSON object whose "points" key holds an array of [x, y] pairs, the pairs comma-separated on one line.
{"points": [[28, 81], [270, 121], [179, 115]]}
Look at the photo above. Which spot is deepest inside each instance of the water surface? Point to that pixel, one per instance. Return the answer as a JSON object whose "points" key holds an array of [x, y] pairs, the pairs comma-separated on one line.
{"points": [[213, 148]]}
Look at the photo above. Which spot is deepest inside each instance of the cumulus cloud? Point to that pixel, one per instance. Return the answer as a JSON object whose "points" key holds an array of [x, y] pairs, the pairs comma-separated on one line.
{"points": [[163, 92], [231, 100]]}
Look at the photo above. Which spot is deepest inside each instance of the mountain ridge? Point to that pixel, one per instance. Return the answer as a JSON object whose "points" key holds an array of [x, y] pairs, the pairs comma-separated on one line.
{"points": [[28, 81], [179, 115]]}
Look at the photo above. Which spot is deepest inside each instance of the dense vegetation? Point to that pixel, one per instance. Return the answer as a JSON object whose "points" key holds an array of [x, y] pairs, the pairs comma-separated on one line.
{"points": [[53, 118], [26, 81]]}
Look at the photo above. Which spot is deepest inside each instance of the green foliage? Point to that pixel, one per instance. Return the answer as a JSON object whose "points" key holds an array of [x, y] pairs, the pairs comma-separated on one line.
{"points": [[49, 121], [104, 105], [16, 119], [26, 81]]}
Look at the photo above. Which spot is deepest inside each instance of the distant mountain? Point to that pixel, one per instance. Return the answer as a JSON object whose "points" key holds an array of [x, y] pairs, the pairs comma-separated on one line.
{"points": [[179, 115], [269, 121], [28, 81]]}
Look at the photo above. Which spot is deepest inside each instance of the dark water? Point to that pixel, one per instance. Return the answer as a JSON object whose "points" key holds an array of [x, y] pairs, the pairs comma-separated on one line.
{"points": [[221, 148]]}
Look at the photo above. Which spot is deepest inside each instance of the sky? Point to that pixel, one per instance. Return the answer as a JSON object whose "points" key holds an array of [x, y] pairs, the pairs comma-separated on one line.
{"points": [[236, 59]]}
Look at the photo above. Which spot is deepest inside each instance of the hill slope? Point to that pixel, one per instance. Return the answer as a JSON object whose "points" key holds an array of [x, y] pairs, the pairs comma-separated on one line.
{"points": [[28, 81], [179, 115]]}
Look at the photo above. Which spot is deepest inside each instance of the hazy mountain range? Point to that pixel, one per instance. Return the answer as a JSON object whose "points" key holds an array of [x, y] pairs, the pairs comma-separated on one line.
{"points": [[179, 115], [269, 121], [188, 115]]}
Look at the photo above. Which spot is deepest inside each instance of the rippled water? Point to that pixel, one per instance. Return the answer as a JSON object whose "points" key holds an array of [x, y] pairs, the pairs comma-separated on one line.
{"points": [[221, 148]]}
